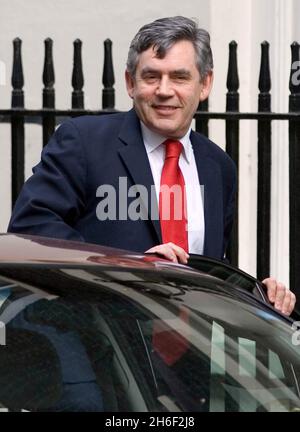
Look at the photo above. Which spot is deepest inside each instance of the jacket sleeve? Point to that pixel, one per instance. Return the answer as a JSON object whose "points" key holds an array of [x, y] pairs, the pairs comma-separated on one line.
{"points": [[53, 198]]}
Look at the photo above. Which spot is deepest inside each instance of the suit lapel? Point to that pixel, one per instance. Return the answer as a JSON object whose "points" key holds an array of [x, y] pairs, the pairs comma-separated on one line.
{"points": [[134, 157], [211, 180]]}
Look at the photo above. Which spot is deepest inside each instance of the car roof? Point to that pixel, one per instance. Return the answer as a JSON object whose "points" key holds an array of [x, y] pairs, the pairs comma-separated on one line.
{"points": [[28, 249]]}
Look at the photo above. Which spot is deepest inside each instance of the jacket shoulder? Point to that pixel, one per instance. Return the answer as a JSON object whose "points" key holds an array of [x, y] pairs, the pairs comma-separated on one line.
{"points": [[95, 122], [213, 151], [91, 130]]}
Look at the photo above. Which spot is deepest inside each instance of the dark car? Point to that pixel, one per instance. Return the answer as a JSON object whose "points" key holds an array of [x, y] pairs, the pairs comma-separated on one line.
{"points": [[88, 328]]}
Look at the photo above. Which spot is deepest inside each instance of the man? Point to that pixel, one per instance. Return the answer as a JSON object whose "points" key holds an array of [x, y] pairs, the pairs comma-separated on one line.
{"points": [[100, 179]]}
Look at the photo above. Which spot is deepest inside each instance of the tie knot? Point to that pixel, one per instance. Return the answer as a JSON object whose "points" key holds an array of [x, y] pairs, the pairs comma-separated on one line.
{"points": [[173, 148]]}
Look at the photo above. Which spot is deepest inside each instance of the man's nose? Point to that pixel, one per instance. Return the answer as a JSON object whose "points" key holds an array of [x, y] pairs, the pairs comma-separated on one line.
{"points": [[165, 88]]}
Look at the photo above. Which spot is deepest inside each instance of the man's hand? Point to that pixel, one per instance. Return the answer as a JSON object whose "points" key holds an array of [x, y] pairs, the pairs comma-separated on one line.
{"points": [[170, 251], [284, 300]]}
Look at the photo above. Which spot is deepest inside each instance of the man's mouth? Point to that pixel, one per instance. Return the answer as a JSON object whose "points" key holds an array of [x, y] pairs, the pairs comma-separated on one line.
{"points": [[168, 109]]}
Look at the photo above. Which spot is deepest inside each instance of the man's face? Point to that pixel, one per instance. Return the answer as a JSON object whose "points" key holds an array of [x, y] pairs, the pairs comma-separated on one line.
{"points": [[166, 92]]}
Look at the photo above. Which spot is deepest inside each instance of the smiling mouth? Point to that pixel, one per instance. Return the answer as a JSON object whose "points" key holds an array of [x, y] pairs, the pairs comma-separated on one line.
{"points": [[165, 108]]}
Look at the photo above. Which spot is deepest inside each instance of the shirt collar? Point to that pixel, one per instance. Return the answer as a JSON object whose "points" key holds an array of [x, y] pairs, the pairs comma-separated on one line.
{"points": [[153, 140]]}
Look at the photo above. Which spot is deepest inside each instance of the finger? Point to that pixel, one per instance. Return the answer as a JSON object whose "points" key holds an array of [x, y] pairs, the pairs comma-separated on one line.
{"points": [[165, 251], [271, 288], [281, 292], [285, 309], [170, 251], [292, 303], [181, 254]]}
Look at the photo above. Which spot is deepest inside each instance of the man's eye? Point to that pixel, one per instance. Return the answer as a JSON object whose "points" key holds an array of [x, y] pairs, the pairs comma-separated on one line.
{"points": [[180, 78], [150, 78]]}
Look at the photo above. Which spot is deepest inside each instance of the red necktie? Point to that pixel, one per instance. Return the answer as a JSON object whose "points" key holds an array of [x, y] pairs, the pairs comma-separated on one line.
{"points": [[172, 198]]}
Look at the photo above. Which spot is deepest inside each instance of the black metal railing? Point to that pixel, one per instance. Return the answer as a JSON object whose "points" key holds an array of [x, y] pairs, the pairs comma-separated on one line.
{"points": [[49, 117], [232, 138], [264, 168], [294, 175]]}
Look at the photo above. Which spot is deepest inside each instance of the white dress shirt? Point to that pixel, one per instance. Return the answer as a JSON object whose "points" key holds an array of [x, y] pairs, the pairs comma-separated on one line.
{"points": [[194, 197]]}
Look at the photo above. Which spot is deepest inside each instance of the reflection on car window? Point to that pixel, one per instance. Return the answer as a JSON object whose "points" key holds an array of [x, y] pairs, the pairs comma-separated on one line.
{"points": [[111, 342], [247, 376], [223, 271]]}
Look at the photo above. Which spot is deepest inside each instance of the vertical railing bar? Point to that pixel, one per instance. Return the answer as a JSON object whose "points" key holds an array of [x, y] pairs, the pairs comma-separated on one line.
{"points": [[17, 124], [201, 124], [232, 142], [48, 91], [264, 169], [294, 172]]}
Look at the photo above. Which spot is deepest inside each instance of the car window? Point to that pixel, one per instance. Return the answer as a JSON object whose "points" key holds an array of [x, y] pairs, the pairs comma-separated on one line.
{"points": [[228, 373], [223, 271], [247, 376], [108, 340]]}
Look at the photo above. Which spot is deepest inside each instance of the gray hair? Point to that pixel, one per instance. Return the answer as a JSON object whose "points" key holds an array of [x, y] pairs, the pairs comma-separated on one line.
{"points": [[163, 33]]}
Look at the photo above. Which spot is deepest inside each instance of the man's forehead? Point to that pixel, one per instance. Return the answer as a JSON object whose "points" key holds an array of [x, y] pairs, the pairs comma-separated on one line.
{"points": [[149, 69], [156, 50], [180, 55]]}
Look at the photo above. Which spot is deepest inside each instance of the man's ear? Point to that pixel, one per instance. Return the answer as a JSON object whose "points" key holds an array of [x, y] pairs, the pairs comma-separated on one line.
{"points": [[129, 84], [206, 86]]}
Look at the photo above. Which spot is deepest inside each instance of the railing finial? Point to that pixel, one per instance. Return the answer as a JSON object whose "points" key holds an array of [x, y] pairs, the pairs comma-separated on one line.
{"points": [[264, 82], [77, 77], [17, 79], [108, 78]]}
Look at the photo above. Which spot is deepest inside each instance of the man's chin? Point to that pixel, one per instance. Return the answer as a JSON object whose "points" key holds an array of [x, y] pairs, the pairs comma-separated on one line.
{"points": [[166, 130]]}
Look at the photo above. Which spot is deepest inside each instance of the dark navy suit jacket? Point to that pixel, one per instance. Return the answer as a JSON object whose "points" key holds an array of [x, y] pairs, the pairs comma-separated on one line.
{"points": [[60, 200]]}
